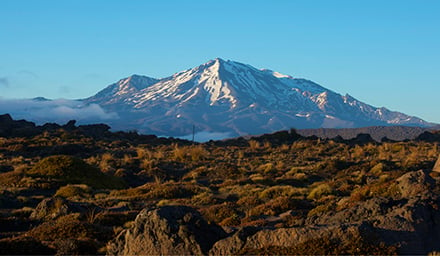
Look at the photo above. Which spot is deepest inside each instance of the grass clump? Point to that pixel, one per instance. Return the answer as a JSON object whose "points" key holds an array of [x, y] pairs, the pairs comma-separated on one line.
{"points": [[319, 191], [80, 190]]}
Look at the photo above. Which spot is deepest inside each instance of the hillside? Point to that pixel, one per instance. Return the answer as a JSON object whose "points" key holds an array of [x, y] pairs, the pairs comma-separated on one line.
{"points": [[237, 196], [398, 133]]}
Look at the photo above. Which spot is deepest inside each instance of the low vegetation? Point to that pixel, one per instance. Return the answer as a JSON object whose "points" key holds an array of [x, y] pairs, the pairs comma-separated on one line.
{"points": [[235, 183]]}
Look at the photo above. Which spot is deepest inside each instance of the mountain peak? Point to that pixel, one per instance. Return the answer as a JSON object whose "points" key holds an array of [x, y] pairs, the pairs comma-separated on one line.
{"points": [[227, 96], [219, 60]]}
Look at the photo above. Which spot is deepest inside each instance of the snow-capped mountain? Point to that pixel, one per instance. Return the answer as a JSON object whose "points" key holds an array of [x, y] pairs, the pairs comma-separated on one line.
{"points": [[230, 97]]}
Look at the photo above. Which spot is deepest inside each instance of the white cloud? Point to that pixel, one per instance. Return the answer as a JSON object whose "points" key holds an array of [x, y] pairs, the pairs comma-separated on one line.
{"points": [[57, 111]]}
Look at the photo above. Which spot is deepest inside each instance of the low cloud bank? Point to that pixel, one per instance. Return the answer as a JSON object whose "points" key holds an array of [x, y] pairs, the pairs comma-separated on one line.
{"points": [[54, 111], [207, 136]]}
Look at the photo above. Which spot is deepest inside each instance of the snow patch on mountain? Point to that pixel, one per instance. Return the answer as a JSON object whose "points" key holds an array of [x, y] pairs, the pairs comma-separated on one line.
{"points": [[236, 98]]}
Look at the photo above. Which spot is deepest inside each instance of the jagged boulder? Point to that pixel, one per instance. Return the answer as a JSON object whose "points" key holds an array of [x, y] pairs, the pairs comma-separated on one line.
{"points": [[437, 165], [311, 240], [52, 208], [412, 225], [168, 230], [409, 223], [12, 128], [417, 183]]}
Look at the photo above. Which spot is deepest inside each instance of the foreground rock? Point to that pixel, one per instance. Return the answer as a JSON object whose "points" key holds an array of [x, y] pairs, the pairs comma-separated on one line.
{"points": [[55, 207], [411, 221], [309, 240], [406, 224], [168, 230], [437, 166]]}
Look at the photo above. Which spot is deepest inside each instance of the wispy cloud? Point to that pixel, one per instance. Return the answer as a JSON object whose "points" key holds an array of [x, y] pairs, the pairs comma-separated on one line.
{"points": [[57, 111]]}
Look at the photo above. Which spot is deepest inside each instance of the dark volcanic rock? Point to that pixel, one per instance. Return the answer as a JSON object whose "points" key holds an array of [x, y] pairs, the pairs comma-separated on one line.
{"points": [[291, 237], [417, 183], [410, 222], [168, 230], [429, 137], [437, 165], [12, 128], [52, 208], [362, 138]]}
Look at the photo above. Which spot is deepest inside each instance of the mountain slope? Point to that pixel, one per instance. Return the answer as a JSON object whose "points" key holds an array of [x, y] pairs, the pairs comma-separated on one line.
{"points": [[238, 99]]}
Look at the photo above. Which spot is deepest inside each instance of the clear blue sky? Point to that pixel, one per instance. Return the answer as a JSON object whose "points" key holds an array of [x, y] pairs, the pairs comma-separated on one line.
{"points": [[386, 53]]}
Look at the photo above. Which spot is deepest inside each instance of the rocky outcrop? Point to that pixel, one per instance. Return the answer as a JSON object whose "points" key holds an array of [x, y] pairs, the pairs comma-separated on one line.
{"points": [[248, 239], [417, 183], [168, 230], [12, 128], [437, 165], [409, 222], [52, 208]]}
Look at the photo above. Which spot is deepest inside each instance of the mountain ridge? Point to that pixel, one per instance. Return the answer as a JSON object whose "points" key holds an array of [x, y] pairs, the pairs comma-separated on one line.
{"points": [[238, 99]]}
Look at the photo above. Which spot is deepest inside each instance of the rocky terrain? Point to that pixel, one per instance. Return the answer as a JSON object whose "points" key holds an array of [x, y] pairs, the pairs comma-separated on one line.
{"points": [[67, 189]]}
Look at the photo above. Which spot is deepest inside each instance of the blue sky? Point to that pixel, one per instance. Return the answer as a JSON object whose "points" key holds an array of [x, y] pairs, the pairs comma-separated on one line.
{"points": [[385, 53]]}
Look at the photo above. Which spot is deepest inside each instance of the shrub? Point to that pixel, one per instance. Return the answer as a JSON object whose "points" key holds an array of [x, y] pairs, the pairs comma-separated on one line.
{"points": [[233, 220], [12, 178], [277, 206], [265, 168], [161, 191], [320, 190], [254, 145], [80, 190], [23, 245], [281, 191], [377, 169], [218, 213], [65, 227], [179, 153], [322, 208], [76, 247], [70, 169], [198, 153]]}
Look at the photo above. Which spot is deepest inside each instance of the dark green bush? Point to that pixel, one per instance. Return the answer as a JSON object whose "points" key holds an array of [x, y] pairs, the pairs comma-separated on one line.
{"points": [[72, 170]]}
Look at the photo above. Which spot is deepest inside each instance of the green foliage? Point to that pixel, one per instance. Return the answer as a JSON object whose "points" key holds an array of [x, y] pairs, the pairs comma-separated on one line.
{"points": [[220, 212], [74, 191], [65, 227], [278, 205], [73, 170], [281, 191], [161, 191], [320, 190], [234, 183]]}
